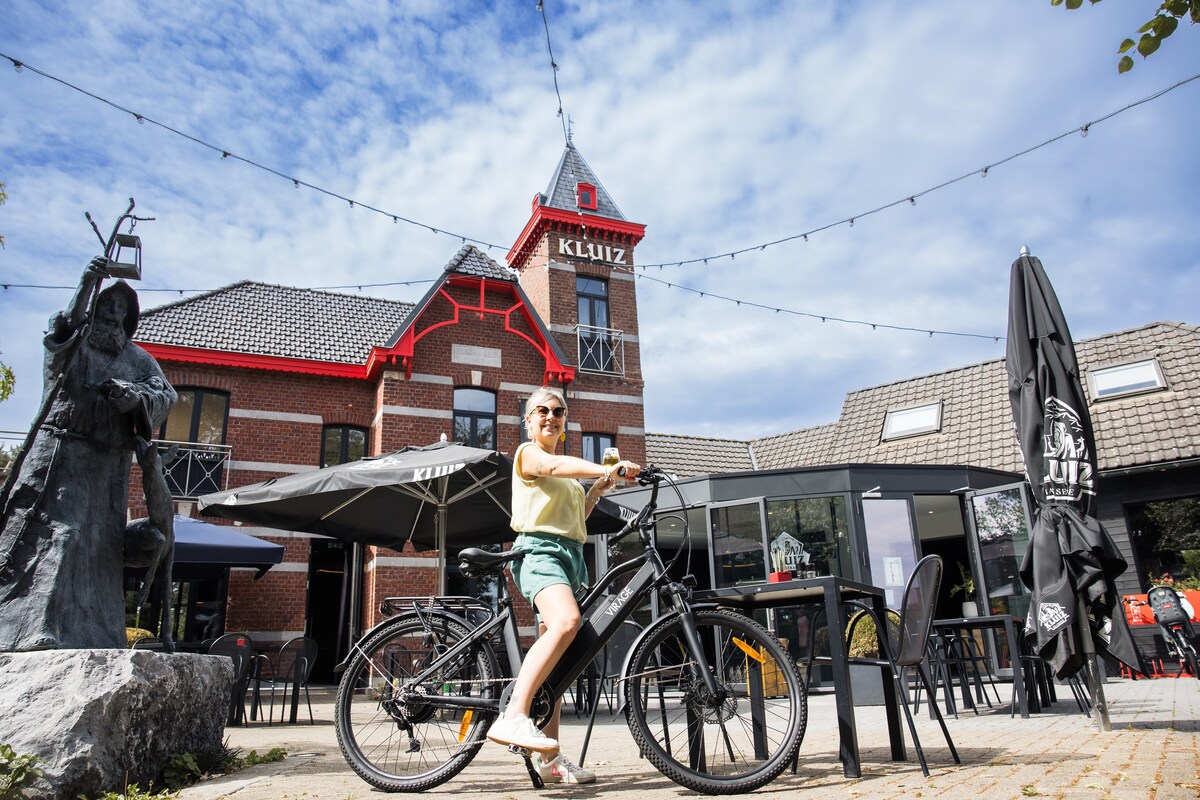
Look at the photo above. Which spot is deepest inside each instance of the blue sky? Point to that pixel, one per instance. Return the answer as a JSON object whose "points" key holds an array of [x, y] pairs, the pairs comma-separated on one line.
{"points": [[720, 126]]}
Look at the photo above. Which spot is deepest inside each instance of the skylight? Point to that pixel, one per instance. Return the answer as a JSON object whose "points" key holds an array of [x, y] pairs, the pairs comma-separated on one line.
{"points": [[1124, 379], [903, 422]]}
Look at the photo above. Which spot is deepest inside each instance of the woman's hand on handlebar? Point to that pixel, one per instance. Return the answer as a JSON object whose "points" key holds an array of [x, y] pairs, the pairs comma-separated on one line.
{"points": [[622, 469]]}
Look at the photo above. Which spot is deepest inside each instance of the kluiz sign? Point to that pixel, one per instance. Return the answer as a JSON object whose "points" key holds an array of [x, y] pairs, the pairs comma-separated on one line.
{"points": [[591, 251], [1067, 461]]}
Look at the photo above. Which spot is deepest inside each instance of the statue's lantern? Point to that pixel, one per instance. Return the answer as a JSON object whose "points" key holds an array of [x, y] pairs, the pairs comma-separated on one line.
{"points": [[126, 260]]}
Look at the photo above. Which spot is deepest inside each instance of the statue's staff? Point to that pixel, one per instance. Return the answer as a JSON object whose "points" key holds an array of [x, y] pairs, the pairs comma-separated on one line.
{"points": [[80, 314]]}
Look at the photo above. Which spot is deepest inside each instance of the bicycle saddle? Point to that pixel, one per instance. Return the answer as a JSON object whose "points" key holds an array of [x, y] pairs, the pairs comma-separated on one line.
{"points": [[473, 561]]}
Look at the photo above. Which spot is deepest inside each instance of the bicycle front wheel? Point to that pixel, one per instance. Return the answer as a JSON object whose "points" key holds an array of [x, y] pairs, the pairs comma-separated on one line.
{"points": [[730, 741], [398, 734]]}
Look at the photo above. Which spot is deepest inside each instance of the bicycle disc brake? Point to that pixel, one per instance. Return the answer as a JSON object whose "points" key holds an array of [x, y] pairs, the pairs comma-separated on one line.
{"points": [[714, 709]]}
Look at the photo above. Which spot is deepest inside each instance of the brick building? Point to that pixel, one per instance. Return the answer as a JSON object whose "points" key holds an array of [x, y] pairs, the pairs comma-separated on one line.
{"points": [[275, 380]]}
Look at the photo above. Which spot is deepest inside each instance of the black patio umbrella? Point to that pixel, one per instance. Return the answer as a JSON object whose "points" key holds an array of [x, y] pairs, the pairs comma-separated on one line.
{"points": [[444, 496], [1071, 562]]}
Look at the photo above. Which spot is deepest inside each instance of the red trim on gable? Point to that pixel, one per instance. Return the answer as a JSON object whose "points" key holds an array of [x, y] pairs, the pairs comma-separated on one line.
{"points": [[543, 216], [221, 358], [399, 355]]}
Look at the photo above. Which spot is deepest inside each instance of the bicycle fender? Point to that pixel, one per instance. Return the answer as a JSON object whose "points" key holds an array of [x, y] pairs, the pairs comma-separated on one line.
{"points": [[427, 613], [651, 628]]}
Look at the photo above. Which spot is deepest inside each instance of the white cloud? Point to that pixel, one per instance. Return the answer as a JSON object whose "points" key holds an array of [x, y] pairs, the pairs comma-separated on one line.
{"points": [[718, 126]]}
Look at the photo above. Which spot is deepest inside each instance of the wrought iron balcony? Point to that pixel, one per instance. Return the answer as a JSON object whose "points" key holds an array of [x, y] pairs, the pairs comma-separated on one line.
{"points": [[197, 468], [600, 349]]}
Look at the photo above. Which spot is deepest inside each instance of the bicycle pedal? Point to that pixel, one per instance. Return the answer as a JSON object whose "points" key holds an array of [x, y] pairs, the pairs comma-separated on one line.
{"points": [[517, 750]]}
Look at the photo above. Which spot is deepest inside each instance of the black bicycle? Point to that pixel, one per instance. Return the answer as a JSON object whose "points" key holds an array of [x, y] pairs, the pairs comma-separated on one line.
{"points": [[711, 697]]}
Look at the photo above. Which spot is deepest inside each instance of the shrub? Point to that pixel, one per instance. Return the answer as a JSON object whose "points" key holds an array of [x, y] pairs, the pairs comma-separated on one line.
{"points": [[16, 772], [861, 632], [133, 634]]}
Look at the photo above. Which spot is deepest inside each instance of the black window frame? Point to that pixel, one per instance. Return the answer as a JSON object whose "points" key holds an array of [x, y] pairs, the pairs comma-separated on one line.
{"points": [[471, 417], [596, 442], [343, 444]]}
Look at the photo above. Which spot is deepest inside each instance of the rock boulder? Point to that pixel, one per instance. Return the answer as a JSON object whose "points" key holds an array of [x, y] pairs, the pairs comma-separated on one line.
{"points": [[99, 719]]}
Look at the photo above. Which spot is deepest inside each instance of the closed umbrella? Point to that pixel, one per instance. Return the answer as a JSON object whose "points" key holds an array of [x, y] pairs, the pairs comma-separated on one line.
{"points": [[440, 496], [1071, 562]]}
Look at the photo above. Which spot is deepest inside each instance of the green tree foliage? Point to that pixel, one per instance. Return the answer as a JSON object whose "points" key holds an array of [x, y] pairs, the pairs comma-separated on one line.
{"points": [[1161, 25]]}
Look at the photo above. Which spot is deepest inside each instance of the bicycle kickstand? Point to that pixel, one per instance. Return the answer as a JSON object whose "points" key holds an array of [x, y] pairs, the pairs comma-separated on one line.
{"points": [[534, 776]]}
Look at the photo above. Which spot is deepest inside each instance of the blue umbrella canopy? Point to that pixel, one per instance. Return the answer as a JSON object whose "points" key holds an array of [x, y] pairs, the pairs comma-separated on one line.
{"points": [[200, 545]]}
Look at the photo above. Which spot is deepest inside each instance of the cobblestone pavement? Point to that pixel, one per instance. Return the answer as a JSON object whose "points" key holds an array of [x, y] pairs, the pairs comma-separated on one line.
{"points": [[1152, 753]]}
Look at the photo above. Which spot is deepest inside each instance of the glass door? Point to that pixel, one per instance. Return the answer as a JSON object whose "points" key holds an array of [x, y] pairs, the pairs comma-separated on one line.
{"points": [[739, 543], [1000, 534], [890, 545], [1000, 519]]}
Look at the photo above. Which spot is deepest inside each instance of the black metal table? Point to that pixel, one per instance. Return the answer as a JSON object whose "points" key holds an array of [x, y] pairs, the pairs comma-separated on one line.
{"points": [[995, 622], [831, 591]]}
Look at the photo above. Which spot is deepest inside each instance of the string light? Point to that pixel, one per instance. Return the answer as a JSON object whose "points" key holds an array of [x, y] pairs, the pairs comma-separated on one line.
{"points": [[823, 317]]}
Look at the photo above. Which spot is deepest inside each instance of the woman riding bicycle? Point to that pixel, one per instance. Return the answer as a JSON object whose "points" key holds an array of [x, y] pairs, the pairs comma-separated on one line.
{"points": [[549, 507]]}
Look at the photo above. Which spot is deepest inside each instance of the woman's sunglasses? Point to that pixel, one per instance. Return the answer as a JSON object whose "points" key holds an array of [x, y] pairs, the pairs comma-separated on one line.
{"points": [[558, 413]]}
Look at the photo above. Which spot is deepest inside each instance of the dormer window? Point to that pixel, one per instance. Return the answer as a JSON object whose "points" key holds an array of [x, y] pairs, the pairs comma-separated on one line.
{"points": [[901, 423], [585, 196], [1125, 379]]}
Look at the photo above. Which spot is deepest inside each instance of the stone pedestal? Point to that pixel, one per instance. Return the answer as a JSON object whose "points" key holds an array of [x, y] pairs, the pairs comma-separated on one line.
{"points": [[98, 719]]}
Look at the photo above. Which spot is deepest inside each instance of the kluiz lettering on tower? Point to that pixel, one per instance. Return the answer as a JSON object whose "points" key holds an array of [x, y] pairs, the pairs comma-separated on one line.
{"points": [[1067, 461], [591, 251]]}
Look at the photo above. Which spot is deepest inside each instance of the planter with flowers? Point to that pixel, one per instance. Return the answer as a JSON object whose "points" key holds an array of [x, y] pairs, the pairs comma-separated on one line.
{"points": [[966, 587]]}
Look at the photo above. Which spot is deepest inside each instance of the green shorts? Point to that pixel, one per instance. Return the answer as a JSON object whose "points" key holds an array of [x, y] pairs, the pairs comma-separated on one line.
{"points": [[549, 559]]}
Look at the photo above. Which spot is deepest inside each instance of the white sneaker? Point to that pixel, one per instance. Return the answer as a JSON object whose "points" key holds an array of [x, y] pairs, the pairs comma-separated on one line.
{"points": [[564, 770], [521, 731]]}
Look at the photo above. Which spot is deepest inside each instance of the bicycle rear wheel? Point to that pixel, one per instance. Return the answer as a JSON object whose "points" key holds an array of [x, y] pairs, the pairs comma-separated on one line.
{"points": [[1187, 653], [730, 742], [391, 730]]}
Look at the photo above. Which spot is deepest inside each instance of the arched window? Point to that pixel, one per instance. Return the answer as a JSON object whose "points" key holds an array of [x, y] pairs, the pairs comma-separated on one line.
{"points": [[342, 443], [475, 418]]}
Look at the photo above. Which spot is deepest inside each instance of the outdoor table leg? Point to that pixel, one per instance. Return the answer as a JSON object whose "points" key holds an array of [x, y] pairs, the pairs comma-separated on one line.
{"points": [[847, 732], [1014, 650], [891, 701]]}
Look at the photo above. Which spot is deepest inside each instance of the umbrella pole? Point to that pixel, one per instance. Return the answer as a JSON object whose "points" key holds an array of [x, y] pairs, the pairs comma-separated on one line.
{"points": [[1092, 668], [442, 513]]}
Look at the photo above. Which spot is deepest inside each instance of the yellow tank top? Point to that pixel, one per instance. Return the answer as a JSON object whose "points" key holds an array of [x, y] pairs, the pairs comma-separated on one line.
{"points": [[547, 504]]}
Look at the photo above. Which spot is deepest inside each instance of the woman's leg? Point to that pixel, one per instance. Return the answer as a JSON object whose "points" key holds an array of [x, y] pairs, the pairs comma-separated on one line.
{"points": [[560, 622]]}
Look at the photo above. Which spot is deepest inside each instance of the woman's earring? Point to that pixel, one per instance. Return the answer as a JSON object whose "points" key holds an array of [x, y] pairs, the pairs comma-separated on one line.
{"points": [[562, 437]]}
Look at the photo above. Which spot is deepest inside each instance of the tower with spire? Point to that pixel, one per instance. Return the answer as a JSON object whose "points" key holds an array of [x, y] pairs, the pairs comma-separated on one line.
{"points": [[575, 260]]}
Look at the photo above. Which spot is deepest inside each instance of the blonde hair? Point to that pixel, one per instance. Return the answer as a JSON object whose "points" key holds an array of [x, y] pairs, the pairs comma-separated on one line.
{"points": [[541, 395]]}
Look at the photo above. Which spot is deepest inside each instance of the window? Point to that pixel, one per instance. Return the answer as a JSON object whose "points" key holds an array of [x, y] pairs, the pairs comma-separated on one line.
{"points": [[811, 535], [341, 444], [197, 423], [475, 418], [594, 445], [198, 416], [903, 422], [585, 196], [595, 338], [1135, 378]]}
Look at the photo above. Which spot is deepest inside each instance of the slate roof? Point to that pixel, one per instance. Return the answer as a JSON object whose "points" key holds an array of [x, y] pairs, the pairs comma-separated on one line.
{"points": [[284, 321], [470, 260], [269, 320], [572, 169], [977, 427], [687, 456]]}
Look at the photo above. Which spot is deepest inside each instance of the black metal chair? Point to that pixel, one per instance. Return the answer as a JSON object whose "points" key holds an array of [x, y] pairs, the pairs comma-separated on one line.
{"points": [[908, 649], [148, 643], [238, 647], [290, 670]]}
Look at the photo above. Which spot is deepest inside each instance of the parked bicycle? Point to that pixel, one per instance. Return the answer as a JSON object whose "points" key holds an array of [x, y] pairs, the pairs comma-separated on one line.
{"points": [[420, 690], [1173, 616]]}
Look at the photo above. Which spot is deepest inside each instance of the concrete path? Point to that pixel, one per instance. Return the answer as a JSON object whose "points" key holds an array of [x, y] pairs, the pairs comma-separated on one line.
{"points": [[1152, 753]]}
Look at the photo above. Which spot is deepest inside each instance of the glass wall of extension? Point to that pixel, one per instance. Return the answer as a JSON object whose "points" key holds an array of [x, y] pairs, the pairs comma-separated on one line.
{"points": [[869, 523]]}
